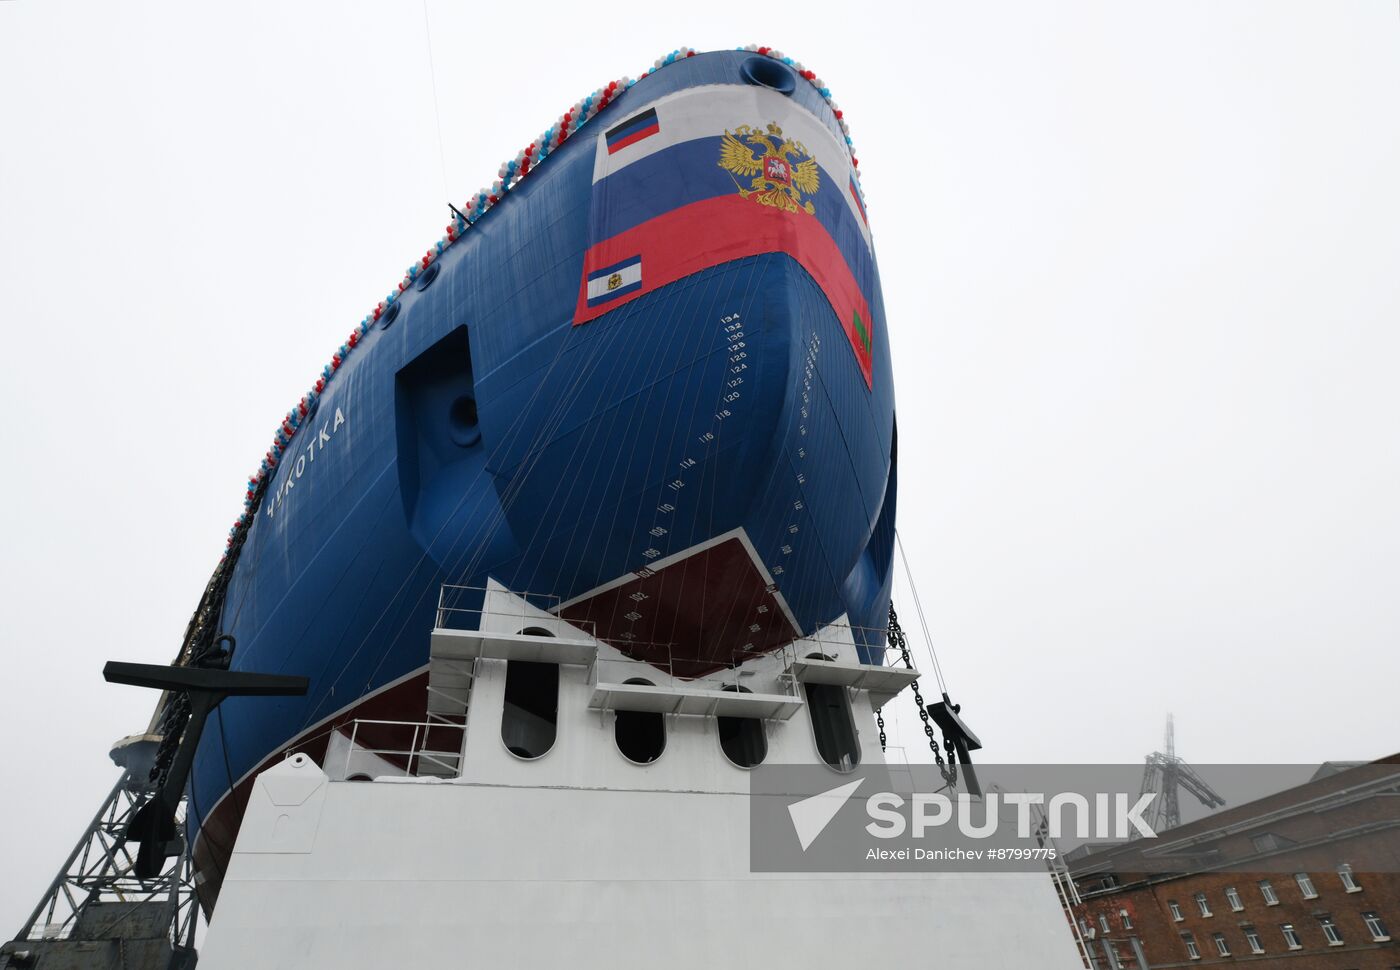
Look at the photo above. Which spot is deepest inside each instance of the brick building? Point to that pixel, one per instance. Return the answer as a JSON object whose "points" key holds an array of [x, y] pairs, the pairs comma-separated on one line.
{"points": [[1308, 879]]}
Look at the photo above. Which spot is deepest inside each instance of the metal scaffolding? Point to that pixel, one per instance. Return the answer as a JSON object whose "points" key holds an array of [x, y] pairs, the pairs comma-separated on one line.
{"points": [[98, 913]]}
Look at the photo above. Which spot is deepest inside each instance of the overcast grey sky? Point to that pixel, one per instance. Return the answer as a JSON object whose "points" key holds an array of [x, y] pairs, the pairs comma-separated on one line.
{"points": [[1139, 264]]}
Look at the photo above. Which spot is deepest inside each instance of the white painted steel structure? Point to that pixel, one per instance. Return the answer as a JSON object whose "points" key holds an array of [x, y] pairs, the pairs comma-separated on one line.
{"points": [[581, 858]]}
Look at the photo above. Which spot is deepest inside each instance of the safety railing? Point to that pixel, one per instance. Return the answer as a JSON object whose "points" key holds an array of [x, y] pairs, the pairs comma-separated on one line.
{"points": [[405, 748], [510, 616], [662, 669], [870, 643], [501, 611], [477, 608], [832, 655], [849, 644]]}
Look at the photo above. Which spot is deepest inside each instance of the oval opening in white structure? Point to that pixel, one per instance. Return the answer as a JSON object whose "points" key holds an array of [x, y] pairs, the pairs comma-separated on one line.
{"points": [[829, 709], [742, 739], [530, 715], [640, 735]]}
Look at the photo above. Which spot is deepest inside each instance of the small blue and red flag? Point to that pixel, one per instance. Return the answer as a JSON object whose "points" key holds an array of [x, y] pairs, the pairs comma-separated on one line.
{"points": [[614, 282]]}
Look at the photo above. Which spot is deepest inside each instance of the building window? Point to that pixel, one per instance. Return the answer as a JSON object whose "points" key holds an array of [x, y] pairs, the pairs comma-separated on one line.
{"points": [[829, 707], [1349, 882], [1305, 884], [1379, 933], [1251, 936], [1232, 896], [1176, 910], [1266, 889], [1190, 942], [1083, 927], [1221, 946], [1266, 842], [1202, 905], [640, 735], [1103, 923], [1126, 919], [1329, 930], [1290, 936], [743, 739], [531, 712]]}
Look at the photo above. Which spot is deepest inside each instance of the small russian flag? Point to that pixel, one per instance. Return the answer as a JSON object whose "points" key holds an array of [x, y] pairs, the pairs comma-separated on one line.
{"points": [[855, 194], [617, 280], [633, 130]]}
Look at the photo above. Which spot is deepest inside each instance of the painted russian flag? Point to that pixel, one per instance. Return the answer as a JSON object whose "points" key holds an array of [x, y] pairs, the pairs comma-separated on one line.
{"points": [[735, 171], [855, 197], [614, 282], [633, 130]]}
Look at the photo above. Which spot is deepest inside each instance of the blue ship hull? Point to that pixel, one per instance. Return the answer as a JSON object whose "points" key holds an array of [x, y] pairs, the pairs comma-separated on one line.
{"points": [[481, 434]]}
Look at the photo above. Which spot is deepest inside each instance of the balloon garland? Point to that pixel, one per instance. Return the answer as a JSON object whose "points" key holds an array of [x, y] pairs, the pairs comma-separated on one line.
{"points": [[507, 177]]}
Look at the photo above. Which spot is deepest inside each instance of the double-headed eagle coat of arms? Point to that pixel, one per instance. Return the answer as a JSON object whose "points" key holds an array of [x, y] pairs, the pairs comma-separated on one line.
{"points": [[781, 169]]}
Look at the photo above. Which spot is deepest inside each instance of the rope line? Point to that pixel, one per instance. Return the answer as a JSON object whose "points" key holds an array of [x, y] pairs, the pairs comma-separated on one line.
{"points": [[437, 111], [919, 609]]}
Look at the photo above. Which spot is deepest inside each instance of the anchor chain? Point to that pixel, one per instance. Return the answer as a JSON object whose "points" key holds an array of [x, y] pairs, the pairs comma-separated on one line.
{"points": [[949, 768]]}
